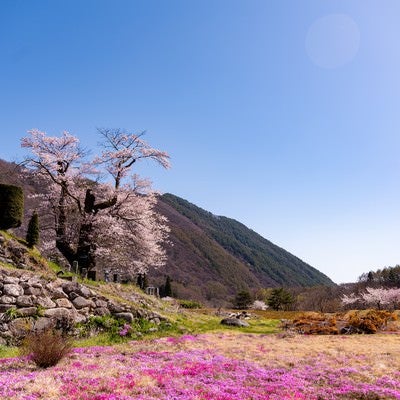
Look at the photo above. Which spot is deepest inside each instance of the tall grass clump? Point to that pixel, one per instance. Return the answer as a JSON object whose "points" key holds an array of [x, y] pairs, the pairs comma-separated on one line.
{"points": [[46, 348]]}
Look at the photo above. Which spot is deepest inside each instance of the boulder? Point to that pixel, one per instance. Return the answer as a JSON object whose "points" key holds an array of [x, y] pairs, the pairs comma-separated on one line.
{"points": [[24, 301], [234, 322], [58, 313], [63, 303], [115, 308], [102, 311], [7, 300], [84, 291], [20, 326], [5, 307], [56, 293], [101, 303], [127, 316], [34, 282], [45, 302], [32, 291], [12, 289], [69, 287], [80, 302], [27, 311], [42, 324], [10, 280]]}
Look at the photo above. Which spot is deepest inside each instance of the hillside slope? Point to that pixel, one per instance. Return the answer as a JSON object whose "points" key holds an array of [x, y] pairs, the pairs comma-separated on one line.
{"points": [[212, 257]]}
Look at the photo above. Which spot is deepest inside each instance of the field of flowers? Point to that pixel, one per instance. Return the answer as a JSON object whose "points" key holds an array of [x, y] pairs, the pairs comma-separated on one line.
{"points": [[216, 366]]}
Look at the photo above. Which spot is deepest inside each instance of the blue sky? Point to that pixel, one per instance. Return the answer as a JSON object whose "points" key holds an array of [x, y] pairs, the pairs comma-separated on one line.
{"points": [[280, 114]]}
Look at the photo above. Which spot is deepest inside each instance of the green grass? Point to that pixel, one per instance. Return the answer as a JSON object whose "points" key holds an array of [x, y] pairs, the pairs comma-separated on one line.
{"points": [[185, 322], [203, 321], [8, 352]]}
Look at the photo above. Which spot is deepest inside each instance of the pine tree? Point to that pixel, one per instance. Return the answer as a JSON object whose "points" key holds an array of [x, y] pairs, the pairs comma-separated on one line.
{"points": [[280, 299], [168, 287], [242, 300], [139, 281], [32, 234]]}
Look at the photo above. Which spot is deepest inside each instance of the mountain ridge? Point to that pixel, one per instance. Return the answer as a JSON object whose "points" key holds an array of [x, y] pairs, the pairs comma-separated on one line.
{"points": [[233, 256]]}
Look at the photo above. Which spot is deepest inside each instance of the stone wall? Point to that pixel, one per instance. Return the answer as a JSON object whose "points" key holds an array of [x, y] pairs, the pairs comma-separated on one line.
{"points": [[29, 302]]}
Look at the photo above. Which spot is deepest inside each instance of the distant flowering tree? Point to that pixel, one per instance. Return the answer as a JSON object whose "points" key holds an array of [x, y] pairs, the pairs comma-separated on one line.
{"points": [[375, 297], [101, 211]]}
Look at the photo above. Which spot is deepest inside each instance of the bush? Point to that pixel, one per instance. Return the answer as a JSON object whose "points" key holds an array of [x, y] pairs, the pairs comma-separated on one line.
{"points": [[11, 206], [313, 323], [367, 321], [46, 348], [190, 304], [100, 324]]}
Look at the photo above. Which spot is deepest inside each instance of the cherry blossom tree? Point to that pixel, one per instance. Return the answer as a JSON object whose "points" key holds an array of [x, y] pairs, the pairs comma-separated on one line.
{"points": [[376, 297], [102, 212]]}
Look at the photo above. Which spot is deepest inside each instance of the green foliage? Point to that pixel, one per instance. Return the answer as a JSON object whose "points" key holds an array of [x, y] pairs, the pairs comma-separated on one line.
{"points": [[8, 351], [32, 234], [242, 300], [189, 304], [98, 324], [12, 313], [11, 206], [114, 330], [40, 311], [46, 348], [280, 299]]}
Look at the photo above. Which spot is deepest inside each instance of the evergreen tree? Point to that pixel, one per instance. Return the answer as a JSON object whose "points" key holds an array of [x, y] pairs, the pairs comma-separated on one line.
{"points": [[139, 281], [242, 300], [32, 234], [167, 287], [280, 299]]}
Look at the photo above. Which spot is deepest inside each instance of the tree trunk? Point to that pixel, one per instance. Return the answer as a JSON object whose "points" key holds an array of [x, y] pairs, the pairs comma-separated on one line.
{"points": [[85, 251], [61, 230]]}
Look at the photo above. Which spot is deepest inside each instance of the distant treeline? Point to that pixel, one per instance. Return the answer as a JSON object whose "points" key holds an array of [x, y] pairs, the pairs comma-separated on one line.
{"points": [[387, 277]]}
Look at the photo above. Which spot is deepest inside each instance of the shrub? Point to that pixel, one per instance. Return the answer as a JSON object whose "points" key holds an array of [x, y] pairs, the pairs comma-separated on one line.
{"points": [[46, 348], [11, 206], [189, 304], [367, 321], [313, 323], [98, 324]]}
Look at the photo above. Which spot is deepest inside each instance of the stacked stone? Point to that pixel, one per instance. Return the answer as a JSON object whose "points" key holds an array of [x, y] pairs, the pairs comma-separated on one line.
{"points": [[28, 302]]}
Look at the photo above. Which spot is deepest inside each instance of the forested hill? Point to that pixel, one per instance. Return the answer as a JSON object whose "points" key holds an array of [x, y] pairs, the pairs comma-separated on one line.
{"points": [[212, 257]]}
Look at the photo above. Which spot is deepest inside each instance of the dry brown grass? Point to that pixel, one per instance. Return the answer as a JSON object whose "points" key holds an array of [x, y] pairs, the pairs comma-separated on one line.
{"points": [[46, 348]]}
